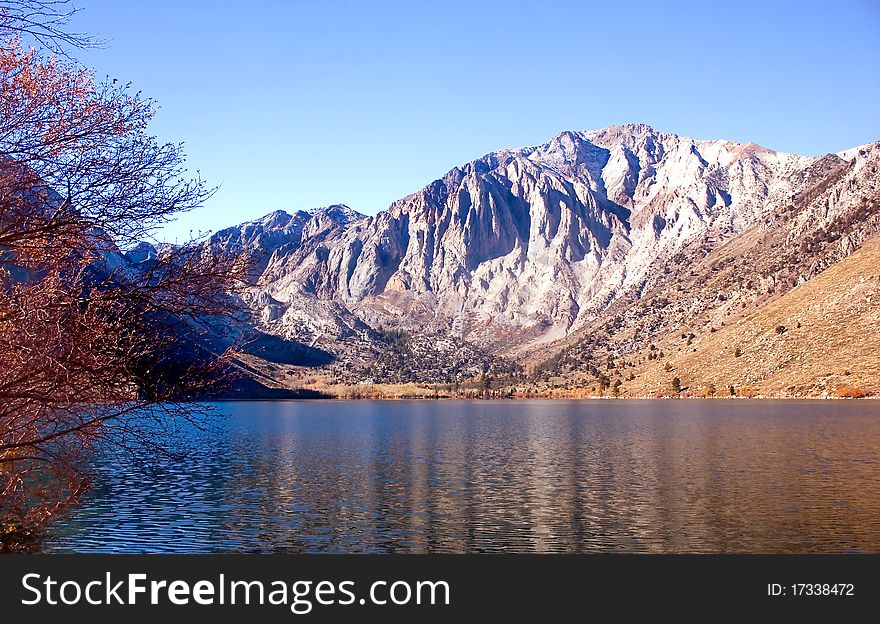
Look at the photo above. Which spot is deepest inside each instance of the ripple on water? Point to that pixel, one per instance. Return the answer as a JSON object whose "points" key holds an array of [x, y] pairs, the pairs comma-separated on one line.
{"points": [[503, 476]]}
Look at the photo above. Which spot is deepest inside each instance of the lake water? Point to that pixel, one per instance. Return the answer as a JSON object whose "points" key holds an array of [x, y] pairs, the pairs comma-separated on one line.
{"points": [[518, 476]]}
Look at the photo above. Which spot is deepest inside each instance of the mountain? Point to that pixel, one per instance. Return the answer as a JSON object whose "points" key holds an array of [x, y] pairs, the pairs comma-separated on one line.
{"points": [[560, 258]]}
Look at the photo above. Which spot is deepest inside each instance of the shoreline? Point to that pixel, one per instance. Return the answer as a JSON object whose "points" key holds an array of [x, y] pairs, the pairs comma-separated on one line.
{"points": [[389, 398]]}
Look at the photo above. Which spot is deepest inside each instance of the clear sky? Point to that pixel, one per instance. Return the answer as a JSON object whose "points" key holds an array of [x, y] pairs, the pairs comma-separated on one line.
{"points": [[293, 105]]}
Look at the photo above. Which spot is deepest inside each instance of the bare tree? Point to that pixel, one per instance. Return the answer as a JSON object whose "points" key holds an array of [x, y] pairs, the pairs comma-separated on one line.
{"points": [[45, 22], [92, 346]]}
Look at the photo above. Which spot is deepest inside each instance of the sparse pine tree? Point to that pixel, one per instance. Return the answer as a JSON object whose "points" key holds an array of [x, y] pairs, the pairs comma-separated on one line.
{"points": [[615, 388]]}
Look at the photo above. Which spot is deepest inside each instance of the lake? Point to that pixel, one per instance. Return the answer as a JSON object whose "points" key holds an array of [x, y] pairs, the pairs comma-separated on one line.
{"points": [[489, 476]]}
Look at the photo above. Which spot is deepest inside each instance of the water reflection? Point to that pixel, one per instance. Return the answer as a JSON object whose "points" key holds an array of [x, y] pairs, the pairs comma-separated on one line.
{"points": [[567, 476]]}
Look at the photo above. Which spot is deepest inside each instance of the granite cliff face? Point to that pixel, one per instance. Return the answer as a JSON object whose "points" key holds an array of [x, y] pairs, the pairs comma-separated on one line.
{"points": [[524, 250]]}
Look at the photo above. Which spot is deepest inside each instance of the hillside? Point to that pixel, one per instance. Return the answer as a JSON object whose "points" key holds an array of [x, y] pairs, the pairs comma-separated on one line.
{"points": [[821, 336]]}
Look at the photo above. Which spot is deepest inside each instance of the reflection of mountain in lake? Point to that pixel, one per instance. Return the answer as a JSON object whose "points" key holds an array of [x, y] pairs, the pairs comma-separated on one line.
{"points": [[521, 476]]}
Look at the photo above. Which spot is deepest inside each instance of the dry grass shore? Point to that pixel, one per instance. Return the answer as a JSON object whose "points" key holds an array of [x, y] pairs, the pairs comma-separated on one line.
{"points": [[429, 392]]}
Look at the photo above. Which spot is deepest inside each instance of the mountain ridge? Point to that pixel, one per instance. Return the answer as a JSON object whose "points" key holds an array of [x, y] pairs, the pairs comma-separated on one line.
{"points": [[521, 250]]}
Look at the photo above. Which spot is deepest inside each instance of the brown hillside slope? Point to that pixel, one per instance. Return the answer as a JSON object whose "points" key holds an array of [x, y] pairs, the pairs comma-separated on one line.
{"points": [[818, 338]]}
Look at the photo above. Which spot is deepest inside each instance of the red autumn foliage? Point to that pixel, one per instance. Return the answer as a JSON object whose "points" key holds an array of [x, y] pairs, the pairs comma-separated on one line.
{"points": [[87, 343]]}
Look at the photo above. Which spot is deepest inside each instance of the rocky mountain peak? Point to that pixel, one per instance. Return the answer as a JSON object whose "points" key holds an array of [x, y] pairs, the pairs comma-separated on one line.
{"points": [[625, 133], [337, 213], [523, 247]]}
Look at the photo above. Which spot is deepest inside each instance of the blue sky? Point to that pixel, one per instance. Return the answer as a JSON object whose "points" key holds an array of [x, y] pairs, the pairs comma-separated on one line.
{"points": [[293, 105]]}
